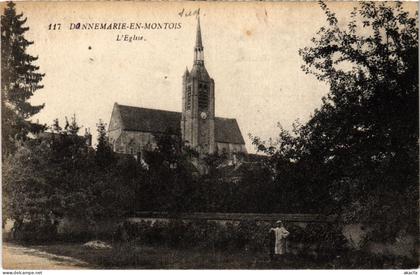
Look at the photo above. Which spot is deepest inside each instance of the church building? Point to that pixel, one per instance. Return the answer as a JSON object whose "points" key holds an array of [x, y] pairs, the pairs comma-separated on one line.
{"points": [[133, 129]]}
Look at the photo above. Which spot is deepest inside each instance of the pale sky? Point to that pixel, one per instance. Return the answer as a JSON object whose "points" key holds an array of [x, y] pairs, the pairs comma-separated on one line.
{"points": [[250, 49]]}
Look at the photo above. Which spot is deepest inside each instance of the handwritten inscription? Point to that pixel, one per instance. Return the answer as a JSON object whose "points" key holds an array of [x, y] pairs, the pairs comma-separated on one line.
{"points": [[187, 13]]}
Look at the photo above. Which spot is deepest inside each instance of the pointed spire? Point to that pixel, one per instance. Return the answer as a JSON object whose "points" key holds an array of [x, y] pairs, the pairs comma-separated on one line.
{"points": [[198, 50], [186, 71], [198, 41]]}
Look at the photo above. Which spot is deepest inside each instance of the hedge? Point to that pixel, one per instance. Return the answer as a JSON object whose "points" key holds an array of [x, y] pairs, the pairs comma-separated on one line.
{"points": [[317, 239]]}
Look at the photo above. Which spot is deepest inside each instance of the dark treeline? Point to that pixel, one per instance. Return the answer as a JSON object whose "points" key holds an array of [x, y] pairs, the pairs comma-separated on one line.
{"points": [[59, 175]]}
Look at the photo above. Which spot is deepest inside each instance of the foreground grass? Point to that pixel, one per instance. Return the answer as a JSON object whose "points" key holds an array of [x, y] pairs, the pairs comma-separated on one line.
{"points": [[135, 256], [128, 255]]}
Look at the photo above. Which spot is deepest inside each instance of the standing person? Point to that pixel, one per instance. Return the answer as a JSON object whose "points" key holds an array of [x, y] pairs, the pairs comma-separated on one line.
{"points": [[278, 235]]}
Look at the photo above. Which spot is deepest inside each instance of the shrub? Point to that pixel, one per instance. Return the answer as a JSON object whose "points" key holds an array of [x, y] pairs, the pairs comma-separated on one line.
{"points": [[244, 235], [321, 239], [35, 231]]}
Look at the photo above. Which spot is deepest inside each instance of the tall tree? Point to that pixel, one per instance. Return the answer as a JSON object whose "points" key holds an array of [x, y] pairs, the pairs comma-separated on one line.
{"points": [[364, 138], [169, 173], [357, 156], [71, 127], [104, 155], [20, 79]]}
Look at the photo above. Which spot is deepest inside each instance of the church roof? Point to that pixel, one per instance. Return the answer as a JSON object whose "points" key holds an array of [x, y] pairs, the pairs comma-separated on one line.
{"points": [[226, 130], [148, 120]]}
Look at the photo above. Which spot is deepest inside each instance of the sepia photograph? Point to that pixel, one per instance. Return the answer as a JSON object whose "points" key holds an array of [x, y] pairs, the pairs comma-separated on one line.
{"points": [[210, 135]]}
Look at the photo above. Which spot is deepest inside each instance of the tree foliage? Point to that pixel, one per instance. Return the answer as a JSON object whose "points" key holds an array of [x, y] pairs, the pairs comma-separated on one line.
{"points": [[19, 80], [169, 175], [44, 179], [104, 154], [358, 153], [58, 175], [366, 131]]}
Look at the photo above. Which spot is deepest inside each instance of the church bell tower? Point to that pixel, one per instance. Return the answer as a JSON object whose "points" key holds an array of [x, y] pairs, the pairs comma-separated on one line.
{"points": [[197, 123]]}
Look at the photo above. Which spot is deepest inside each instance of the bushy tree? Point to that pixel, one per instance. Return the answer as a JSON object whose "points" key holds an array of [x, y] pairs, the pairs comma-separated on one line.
{"points": [[295, 178], [58, 175], [366, 132], [359, 150], [71, 127], [47, 178], [169, 177], [19, 80], [104, 154]]}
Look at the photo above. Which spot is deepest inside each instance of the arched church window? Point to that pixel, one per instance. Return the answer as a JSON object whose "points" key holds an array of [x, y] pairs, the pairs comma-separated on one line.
{"points": [[189, 97], [203, 96]]}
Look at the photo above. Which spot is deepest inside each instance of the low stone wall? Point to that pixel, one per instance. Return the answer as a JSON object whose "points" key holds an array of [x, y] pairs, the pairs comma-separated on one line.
{"points": [[354, 233], [100, 229], [303, 218]]}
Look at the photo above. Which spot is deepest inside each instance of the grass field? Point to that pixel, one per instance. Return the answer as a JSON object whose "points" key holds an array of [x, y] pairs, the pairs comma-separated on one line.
{"points": [[131, 256], [134, 256]]}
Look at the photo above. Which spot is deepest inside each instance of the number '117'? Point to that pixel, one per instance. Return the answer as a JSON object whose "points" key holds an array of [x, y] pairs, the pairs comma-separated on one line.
{"points": [[54, 26]]}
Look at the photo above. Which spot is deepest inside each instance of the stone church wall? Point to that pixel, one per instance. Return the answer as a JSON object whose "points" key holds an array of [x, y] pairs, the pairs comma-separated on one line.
{"points": [[113, 137], [230, 148], [132, 142]]}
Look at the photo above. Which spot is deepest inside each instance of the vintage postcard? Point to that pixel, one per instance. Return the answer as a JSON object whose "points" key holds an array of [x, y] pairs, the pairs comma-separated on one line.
{"points": [[209, 135]]}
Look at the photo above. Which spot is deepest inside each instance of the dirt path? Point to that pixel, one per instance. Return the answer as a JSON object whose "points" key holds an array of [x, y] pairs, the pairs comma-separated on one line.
{"points": [[20, 257]]}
